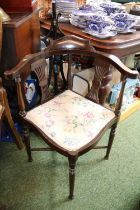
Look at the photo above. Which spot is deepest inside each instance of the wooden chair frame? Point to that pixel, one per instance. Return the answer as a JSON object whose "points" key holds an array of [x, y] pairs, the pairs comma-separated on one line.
{"points": [[6, 113], [72, 45]]}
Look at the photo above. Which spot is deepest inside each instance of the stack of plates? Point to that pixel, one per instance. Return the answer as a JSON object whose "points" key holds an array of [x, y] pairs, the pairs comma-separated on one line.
{"points": [[65, 7], [102, 36], [79, 20], [85, 13]]}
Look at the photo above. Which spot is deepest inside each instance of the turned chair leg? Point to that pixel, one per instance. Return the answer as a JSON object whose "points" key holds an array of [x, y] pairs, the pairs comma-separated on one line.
{"points": [[110, 142], [16, 135], [27, 142], [72, 164], [8, 116]]}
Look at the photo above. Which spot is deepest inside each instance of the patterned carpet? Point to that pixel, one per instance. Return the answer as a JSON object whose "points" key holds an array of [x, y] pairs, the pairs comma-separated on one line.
{"points": [[100, 184]]}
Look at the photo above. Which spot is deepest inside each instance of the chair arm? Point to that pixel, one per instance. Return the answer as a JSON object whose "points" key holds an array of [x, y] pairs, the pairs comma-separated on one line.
{"points": [[20, 67], [117, 63], [2, 109]]}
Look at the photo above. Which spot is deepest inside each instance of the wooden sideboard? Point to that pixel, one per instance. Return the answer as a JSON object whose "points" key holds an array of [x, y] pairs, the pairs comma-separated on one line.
{"points": [[21, 36]]}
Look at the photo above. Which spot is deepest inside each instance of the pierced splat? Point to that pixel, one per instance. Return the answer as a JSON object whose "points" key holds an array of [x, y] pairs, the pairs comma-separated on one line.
{"points": [[100, 86], [39, 67]]}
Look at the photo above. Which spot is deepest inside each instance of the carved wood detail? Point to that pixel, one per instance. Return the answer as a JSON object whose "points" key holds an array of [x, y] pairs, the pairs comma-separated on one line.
{"points": [[100, 85], [39, 67]]}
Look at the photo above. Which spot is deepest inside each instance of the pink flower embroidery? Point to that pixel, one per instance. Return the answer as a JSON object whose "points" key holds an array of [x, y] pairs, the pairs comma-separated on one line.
{"points": [[47, 115], [49, 123], [88, 115], [90, 134], [57, 103]]}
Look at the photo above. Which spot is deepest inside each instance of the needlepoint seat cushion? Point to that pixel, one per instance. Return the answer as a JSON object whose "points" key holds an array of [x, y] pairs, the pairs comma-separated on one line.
{"points": [[70, 120]]}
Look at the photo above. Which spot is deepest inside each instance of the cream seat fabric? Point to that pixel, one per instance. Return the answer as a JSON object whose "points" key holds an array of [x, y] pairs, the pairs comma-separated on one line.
{"points": [[70, 120]]}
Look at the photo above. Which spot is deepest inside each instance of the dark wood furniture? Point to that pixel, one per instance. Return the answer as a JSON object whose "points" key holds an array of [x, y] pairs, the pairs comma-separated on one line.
{"points": [[121, 45], [18, 6], [69, 123], [6, 113], [0, 35], [21, 36]]}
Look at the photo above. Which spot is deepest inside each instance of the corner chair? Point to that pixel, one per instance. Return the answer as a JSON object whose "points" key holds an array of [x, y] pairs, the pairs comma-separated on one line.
{"points": [[69, 123]]}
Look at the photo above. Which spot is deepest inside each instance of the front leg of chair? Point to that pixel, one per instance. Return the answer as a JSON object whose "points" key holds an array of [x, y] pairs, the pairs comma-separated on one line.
{"points": [[8, 116], [27, 142], [17, 136], [72, 164], [111, 138]]}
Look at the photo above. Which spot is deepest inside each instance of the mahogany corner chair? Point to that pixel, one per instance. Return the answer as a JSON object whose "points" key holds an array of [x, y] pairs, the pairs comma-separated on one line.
{"points": [[69, 123]]}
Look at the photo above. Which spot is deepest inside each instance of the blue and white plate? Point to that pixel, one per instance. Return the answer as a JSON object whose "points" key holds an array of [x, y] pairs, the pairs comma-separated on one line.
{"points": [[102, 36], [127, 31], [137, 27]]}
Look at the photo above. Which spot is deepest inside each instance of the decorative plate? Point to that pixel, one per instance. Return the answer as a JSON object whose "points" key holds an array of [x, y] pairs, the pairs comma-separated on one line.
{"points": [[127, 31], [102, 36]]}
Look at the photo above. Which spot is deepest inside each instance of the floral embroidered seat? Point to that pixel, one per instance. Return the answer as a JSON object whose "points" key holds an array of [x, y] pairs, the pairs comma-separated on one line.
{"points": [[69, 123], [70, 120]]}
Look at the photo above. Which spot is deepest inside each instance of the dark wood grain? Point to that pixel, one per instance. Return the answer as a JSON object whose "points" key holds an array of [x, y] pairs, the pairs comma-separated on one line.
{"points": [[21, 36], [120, 45], [6, 113], [18, 6]]}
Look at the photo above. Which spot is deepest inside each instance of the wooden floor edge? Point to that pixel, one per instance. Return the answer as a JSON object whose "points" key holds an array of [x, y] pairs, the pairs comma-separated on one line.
{"points": [[134, 107]]}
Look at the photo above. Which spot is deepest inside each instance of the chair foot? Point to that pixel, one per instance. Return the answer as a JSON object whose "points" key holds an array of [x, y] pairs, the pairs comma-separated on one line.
{"points": [[71, 197], [110, 142], [106, 157], [30, 160], [72, 164]]}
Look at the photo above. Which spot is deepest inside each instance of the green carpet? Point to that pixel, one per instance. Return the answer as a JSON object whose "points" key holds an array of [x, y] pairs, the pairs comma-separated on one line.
{"points": [[112, 184]]}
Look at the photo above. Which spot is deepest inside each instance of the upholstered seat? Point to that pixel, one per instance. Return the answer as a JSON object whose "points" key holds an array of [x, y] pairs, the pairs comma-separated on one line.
{"points": [[70, 120]]}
